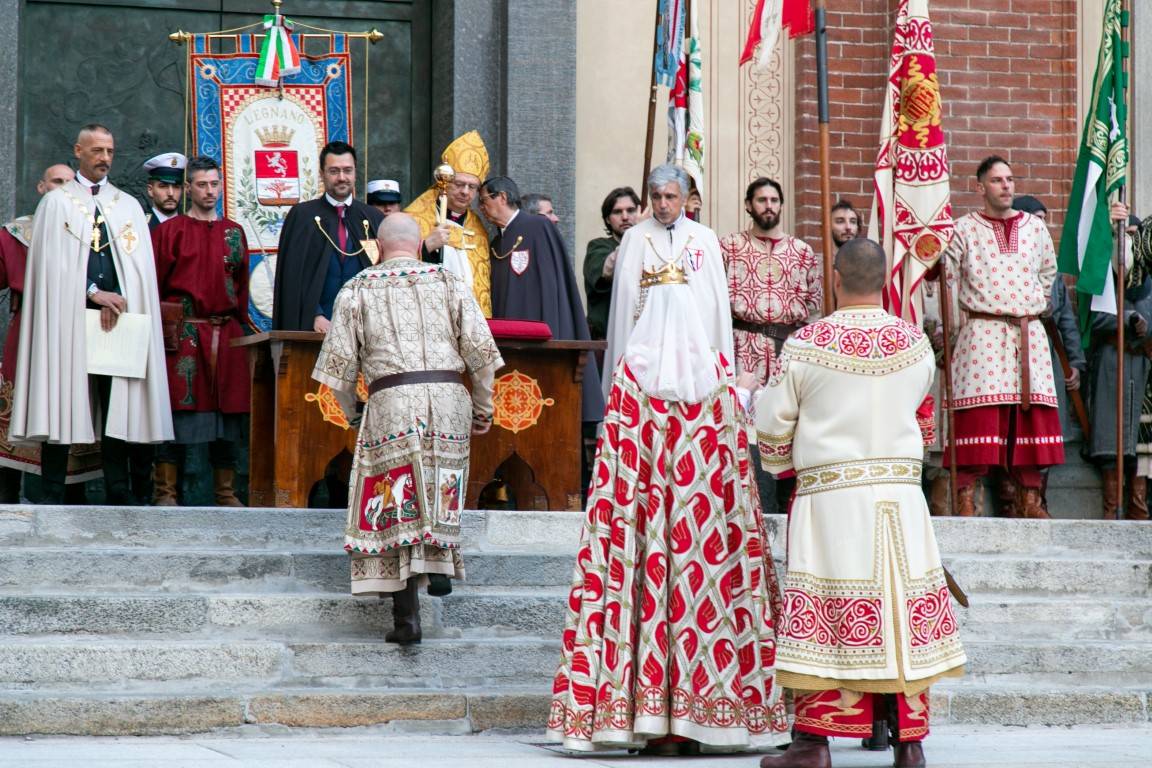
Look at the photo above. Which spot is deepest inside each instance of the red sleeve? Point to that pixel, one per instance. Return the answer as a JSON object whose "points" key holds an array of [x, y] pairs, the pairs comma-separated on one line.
{"points": [[164, 251], [926, 418], [241, 278]]}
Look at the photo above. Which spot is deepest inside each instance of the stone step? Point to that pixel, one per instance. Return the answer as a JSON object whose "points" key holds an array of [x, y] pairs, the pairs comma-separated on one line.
{"points": [[179, 571], [186, 666], [468, 612], [101, 713], [211, 528], [203, 665], [480, 612], [24, 571]]}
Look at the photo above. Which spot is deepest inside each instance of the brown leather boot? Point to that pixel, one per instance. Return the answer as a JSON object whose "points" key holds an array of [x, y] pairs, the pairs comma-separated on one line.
{"points": [[1110, 493], [909, 754], [939, 505], [1007, 492], [1137, 499], [967, 501], [164, 485], [225, 494], [405, 615], [806, 751], [1031, 504]]}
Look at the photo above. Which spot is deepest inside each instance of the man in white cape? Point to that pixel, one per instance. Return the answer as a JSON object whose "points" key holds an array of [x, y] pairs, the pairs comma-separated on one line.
{"points": [[658, 241], [89, 249]]}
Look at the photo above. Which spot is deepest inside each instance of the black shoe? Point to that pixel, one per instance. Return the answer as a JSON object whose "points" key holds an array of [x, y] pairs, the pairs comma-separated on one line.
{"points": [[878, 742], [405, 616], [439, 585]]}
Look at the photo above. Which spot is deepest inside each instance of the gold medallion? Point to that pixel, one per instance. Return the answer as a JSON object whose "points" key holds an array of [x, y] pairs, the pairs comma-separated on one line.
{"points": [[371, 250]]}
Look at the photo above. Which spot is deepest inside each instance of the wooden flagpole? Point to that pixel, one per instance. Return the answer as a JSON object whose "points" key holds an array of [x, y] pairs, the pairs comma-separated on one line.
{"points": [[651, 111], [1121, 278], [825, 146], [946, 406]]}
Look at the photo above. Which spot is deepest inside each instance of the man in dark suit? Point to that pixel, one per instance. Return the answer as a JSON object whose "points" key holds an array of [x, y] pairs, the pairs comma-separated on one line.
{"points": [[323, 244]]}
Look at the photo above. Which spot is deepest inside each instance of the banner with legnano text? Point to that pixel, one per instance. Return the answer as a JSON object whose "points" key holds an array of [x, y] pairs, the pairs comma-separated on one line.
{"points": [[266, 139]]}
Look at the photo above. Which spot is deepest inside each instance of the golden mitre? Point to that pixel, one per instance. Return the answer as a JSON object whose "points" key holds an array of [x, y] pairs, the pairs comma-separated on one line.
{"points": [[467, 154]]}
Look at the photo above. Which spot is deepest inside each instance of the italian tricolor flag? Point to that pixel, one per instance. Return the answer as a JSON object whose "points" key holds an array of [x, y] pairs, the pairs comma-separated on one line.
{"points": [[279, 57], [1087, 244]]}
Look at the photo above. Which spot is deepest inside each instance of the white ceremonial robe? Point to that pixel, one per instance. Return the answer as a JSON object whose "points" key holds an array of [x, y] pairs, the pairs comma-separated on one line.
{"points": [[647, 246], [51, 401], [866, 606]]}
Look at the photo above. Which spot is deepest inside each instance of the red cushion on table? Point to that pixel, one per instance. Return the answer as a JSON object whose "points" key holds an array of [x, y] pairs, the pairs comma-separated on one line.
{"points": [[527, 330]]}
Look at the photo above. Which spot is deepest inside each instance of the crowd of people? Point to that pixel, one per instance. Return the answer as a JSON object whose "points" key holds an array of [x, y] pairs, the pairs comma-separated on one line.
{"points": [[678, 633]]}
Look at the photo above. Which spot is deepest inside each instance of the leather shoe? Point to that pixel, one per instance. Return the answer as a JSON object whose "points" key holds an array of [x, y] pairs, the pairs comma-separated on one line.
{"points": [[909, 754], [806, 751]]}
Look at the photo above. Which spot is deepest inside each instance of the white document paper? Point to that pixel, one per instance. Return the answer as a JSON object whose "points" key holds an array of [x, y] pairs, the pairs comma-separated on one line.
{"points": [[122, 351]]}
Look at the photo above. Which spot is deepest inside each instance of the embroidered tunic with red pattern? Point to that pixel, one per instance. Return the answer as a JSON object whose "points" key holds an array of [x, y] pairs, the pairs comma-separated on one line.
{"points": [[1001, 267], [774, 282], [866, 607]]}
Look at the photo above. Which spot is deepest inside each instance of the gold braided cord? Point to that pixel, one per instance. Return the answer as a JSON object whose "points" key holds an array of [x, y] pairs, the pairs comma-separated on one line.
{"points": [[328, 237]]}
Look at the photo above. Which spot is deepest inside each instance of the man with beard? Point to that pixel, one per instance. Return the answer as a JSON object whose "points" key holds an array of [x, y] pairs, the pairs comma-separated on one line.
{"points": [[323, 244], [774, 285], [202, 268], [165, 186], [620, 210], [845, 223]]}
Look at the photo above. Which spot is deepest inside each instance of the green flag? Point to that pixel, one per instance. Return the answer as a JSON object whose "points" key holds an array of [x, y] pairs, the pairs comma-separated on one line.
{"points": [[1086, 244]]}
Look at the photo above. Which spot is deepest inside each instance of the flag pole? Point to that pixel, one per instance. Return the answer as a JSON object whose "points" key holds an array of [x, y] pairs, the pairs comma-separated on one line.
{"points": [[651, 111], [825, 142], [1120, 279], [946, 406]]}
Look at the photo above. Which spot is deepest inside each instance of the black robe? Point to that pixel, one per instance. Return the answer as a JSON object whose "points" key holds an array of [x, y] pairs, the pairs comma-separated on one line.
{"points": [[532, 279], [303, 256]]}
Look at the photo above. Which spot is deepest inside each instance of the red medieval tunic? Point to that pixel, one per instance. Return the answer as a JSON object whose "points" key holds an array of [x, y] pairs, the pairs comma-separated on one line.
{"points": [[83, 460], [773, 285], [204, 266]]}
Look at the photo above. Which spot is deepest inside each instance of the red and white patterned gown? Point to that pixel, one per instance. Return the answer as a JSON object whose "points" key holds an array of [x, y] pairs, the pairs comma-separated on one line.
{"points": [[866, 607], [670, 625], [1003, 267], [774, 281]]}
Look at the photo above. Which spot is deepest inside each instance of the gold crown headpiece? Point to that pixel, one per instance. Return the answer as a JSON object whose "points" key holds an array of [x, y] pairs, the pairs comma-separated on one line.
{"points": [[669, 274]]}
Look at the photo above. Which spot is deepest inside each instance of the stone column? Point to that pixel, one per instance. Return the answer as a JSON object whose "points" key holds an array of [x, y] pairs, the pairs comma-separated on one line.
{"points": [[9, 87], [539, 110]]}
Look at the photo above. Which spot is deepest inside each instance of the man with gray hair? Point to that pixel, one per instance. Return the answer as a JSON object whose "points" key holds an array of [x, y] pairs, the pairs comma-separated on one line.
{"points": [[413, 330], [534, 202], [668, 237], [533, 278]]}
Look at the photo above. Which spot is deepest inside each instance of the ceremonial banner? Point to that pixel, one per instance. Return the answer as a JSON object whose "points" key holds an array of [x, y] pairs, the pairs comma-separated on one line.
{"points": [[767, 20], [1086, 243], [669, 41], [911, 209], [686, 110], [267, 140]]}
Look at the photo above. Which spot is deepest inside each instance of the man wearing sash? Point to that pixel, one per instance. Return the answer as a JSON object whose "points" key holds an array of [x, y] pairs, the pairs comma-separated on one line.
{"points": [[868, 624], [90, 249]]}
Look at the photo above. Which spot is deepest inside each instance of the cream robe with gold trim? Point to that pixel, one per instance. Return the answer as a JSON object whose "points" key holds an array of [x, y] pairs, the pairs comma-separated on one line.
{"points": [[866, 607], [51, 401]]}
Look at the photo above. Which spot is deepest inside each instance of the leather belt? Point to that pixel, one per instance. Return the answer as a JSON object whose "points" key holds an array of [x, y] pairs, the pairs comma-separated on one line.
{"points": [[1022, 347], [778, 332], [415, 377], [216, 321]]}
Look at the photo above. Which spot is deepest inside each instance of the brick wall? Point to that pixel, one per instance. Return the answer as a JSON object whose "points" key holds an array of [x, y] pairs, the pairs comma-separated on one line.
{"points": [[1008, 81]]}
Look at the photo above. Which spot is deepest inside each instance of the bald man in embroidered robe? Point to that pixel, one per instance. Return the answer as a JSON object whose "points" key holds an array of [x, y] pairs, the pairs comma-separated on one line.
{"points": [[868, 624]]}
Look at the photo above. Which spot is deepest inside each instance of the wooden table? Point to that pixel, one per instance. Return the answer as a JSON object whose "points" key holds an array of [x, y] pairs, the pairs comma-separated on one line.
{"points": [[298, 429]]}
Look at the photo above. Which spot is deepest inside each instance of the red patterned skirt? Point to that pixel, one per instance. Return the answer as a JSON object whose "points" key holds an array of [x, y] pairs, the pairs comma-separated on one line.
{"points": [[1007, 436], [670, 624]]}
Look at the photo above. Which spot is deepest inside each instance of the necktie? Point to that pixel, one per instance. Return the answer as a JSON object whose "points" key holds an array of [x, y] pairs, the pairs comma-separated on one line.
{"points": [[343, 233], [95, 189], [670, 227]]}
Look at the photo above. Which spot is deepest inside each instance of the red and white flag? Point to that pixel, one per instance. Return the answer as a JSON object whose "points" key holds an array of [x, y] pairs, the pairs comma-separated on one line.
{"points": [[911, 209], [768, 19]]}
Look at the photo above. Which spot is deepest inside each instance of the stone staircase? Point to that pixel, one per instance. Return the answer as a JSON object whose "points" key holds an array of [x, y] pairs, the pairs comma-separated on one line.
{"points": [[173, 620]]}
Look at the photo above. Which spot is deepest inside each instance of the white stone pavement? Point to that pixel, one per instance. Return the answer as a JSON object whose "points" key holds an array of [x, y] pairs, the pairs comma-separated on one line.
{"points": [[948, 747]]}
